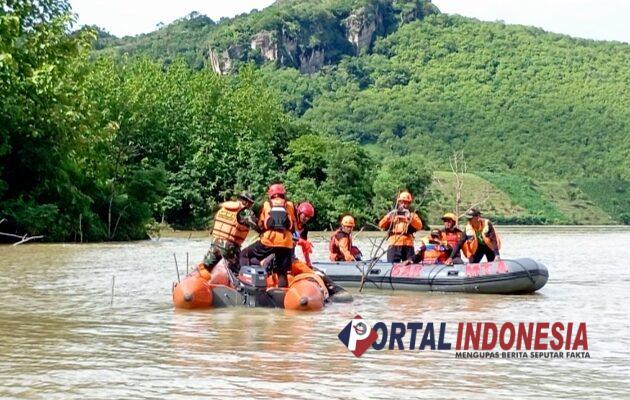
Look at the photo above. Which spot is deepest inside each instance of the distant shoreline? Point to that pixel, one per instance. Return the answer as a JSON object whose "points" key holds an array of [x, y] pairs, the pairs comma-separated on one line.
{"points": [[622, 228], [323, 235]]}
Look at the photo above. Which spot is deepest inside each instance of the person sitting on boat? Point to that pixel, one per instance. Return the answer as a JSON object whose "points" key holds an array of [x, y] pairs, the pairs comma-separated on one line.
{"points": [[277, 221], [340, 247], [479, 239], [401, 224], [305, 212], [232, 224], [432, 250], [451, 235]]}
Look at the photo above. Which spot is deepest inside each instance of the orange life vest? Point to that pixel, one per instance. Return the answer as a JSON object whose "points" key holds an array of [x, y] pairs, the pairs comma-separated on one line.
{"points": [[277, 218], [299, 267], [434, 252], [226, 225], [470, 246], [451, 238], [337, 252], [402, 228]]}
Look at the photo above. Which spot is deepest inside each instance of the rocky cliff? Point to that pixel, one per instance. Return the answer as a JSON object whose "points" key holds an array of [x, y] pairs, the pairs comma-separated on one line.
{"points": [[288, 36]]}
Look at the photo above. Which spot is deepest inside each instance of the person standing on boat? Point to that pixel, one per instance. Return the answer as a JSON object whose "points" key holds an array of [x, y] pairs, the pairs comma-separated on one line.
{"points": [[340, 247], [479, 239], [278, 222], [451, 235], [232, 224], [401, 224], [305, 212]]}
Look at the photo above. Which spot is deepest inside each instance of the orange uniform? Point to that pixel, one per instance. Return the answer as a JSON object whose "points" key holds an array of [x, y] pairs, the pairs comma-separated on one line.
{"points": [[277, 219], [433, 251], [451, 238], [340, 246], [482, 232], [401, 228]]}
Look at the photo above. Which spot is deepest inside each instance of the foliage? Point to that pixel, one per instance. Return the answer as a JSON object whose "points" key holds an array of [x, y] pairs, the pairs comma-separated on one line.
{"points": [[184, 38], [97, 146], [206, 130], [94, 150], [516, 98], [523, 191], [613, 195], [45, 141], [334, 175], [407, 173]]}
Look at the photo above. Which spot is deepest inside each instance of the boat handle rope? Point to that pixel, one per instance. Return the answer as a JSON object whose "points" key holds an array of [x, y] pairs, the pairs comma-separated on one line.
{"points": [[529, 275], [435, 276]]}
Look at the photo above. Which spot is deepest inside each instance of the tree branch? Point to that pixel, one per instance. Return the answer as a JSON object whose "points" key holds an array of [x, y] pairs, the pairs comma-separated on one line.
{"points": [[27, 239], [23, 239], [476, 204], [11, 235]]}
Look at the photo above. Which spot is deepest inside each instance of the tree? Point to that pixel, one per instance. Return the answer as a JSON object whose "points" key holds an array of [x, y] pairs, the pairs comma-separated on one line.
{"points": [[44, 119], [334, 175], [409, 173]]}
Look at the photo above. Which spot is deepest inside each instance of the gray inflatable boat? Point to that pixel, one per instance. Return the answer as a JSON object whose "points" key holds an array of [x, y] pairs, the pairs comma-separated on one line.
{"points": [[522, 275]]}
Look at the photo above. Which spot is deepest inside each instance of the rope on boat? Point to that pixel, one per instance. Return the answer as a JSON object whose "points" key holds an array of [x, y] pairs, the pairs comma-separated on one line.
{"points": [[529, 275]]}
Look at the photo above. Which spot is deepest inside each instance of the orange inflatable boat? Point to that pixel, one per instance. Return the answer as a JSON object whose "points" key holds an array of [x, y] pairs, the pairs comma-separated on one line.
{"points": [[255, 288]]}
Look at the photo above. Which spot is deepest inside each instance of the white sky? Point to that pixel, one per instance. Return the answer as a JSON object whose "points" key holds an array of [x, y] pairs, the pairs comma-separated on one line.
{"points": [[593, 19]]}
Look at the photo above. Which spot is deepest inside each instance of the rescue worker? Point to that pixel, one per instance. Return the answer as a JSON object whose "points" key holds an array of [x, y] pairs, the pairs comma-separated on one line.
{"points": [[340, 247], [305, 212], [479, 239], [231, 226], [451, 235], [432, 250], [401, 224], [277, 221]]}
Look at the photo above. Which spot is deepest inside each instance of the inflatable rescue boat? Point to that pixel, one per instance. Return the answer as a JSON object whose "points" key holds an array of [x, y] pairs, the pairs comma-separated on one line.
{"points": [[522, 275], [255, 287]]}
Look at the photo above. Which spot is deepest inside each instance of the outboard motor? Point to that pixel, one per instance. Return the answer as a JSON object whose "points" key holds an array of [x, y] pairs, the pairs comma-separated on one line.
{"points": [[253, 276], [254, 281]]}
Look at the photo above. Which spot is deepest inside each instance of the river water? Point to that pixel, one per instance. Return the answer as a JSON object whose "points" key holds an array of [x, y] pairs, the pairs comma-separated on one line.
{"points": [[61, 337]]}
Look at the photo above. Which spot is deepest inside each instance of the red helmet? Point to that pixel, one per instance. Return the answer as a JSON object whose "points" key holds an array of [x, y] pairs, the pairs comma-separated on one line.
{"points": [[276, 189], [307, 209]]}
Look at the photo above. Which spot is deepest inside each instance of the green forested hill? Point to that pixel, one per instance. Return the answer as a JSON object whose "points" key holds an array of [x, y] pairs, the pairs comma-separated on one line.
{"points": [[515, 98], [346, 101], [184, 38]]}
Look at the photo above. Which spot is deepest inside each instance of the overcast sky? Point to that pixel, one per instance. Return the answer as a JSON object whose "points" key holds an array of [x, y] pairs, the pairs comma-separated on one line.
{"points": [[593, 19]]}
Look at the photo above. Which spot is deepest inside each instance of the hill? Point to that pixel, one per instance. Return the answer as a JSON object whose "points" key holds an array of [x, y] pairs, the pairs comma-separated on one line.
{"points": [[401, 75], [542, 117]]}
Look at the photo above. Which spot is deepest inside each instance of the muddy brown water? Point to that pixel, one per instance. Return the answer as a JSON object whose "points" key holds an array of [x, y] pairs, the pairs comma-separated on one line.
{"points": [[60, 338]]}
